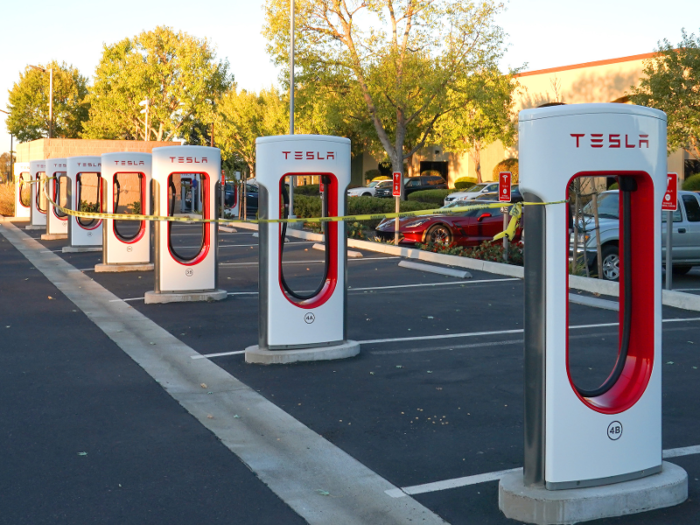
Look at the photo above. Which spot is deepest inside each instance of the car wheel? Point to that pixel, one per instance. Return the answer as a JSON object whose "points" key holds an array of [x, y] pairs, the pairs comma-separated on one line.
{"points": [[681, 270], [611, 263], [366, 194], [439, 234]]}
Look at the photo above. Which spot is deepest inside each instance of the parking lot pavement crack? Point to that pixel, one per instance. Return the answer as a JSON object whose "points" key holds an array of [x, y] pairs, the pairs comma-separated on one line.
{"points": [[292, 460]]}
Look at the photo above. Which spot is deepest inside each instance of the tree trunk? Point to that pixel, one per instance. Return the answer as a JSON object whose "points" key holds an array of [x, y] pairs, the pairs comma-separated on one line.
{"points": [[475, 155]]}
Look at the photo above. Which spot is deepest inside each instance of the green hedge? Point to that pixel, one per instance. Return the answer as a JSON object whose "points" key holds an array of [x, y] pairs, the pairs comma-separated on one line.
{"points": [[692, 183], [307, 207], [464, 183], [507, 165], [430, 196], [307, 189]]}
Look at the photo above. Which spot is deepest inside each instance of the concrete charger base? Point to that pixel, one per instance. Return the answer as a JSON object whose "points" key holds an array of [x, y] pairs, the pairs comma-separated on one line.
{"points": [[53, 236], [254, 355], [548, 507], [30, 227], [81, 249], [184, 297], [114, 268]]}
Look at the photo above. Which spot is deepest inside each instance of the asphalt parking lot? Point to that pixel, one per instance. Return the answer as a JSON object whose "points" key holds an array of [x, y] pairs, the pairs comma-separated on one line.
{"points": [[432, 403]]}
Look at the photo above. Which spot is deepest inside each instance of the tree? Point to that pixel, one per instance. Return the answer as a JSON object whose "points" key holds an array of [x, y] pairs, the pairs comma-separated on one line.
{"points": [[6, 166], [397, 58], [177, 74], [671, 84], [29, 103], [485, 102], [243, 117]]}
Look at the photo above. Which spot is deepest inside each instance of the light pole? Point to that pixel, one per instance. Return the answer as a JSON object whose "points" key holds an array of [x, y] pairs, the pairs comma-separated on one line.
{"points": [[12, 157], [145, 102], [43, 70], [291, 99]]}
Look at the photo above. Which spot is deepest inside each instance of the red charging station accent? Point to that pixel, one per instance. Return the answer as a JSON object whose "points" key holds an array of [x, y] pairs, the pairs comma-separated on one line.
{"points": [[504, 185], [397, 184], [205, 215], [640, 355], [142, 227], [670, 202], [332, 246]]}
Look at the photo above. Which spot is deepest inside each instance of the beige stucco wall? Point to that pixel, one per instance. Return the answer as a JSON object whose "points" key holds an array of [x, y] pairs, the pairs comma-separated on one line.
{"points": [[42, 149]]}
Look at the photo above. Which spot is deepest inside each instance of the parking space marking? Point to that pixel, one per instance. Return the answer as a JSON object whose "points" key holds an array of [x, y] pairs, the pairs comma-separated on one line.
{"points": [[451, 283], [319, 261], [500, 332], [496, 476], [220, 354]]}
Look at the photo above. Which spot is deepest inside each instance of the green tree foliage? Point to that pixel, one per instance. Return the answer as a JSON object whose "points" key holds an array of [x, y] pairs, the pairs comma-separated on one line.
{"points": [[243, 117], [484, 103], [177, 73], [29, 103], [672, 84], [511, 165], [6, 167], [388, 64]]}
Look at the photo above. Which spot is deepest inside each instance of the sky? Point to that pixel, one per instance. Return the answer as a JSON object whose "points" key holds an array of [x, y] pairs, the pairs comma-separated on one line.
{"points": [[541, 33]]}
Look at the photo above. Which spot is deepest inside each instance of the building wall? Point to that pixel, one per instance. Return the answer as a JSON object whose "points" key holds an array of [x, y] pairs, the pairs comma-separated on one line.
{"points": [[42, 149]]}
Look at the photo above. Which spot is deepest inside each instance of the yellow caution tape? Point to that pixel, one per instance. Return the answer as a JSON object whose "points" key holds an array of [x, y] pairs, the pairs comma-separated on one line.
{"points": [[346, 218], [515, 213]]}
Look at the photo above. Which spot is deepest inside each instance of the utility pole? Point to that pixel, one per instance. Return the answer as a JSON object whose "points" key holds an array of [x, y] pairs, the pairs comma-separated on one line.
{"points": [[43, 70], [146, 103], [291, 99]]}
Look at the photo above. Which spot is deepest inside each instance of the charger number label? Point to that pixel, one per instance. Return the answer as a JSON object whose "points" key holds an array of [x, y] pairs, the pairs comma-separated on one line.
{"points": [[615, 430]]}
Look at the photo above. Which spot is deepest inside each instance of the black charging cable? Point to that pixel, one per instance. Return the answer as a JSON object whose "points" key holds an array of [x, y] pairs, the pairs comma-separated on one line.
{"points": [[324, 212], [627, 186]]}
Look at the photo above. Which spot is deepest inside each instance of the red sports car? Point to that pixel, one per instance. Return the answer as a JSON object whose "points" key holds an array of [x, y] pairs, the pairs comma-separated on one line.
{"points": [[469, 228]]}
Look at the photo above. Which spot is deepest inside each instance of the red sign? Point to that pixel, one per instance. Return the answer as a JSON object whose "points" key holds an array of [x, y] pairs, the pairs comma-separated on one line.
{"points": [[397, 184], [320, 185], [504, 181], [670, 202]]}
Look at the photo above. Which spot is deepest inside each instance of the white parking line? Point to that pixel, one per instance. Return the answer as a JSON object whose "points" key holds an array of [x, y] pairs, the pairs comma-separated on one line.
{"points": [[451, 283], [220, 354], [495, 476], [500, 332], [319, 261]]}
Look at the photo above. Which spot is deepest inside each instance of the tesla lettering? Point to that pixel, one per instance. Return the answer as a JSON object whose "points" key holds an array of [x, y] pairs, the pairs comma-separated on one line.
{"points": [[189, 160], [612, 140], [309, 155]]}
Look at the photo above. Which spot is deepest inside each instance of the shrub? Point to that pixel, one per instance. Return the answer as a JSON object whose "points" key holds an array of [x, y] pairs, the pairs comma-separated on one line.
{"points": [[306, 206], [464, 183], [507, 165], [7, 199], [430, 196], [371, 174], [487, 251], [614, 186], [381, 177], [307, 189], [692, 183]]}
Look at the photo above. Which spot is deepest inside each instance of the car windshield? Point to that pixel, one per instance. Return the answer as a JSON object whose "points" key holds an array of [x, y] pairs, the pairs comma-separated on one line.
{"points": [[477, 187], [384, 184], [608, 206], [373, 183]]}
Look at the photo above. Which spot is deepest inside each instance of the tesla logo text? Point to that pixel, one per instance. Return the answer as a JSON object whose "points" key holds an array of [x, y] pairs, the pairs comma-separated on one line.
{"points": [[59, 165], [615, 430], [129, 163], [309, 155], [189, 160], [610, 140], [89, 164]]}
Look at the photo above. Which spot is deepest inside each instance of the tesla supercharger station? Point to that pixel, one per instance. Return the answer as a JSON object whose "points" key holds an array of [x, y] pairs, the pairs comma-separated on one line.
{"points": [[295, 326], [576, 437], [37, 221], [87, 191], [126, 244], [178, 276], [22, 177], [58, 188]]}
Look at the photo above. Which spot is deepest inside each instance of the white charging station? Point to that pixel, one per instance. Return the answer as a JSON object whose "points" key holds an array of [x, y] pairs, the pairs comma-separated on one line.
{"points": [[59, 189], [295, 326], [23, 195], [87, 190], [609, 435], [37, 220], [180, 277], [126, 244]]}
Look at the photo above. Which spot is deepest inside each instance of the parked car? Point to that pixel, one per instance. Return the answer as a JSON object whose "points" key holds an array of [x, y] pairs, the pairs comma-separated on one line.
{"points": [[370, 189], [411, 184], [472, 193], [515, 196], [685, 251], [469, 228]]}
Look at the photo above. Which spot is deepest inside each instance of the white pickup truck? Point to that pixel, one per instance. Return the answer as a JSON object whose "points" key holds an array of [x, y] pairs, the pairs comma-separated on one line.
{"points": [[685, 242]]}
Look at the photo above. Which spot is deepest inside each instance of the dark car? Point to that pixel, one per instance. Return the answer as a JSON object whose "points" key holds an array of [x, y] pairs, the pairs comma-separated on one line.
{"points": [[515, 195], [469, 228], [411, 184]]}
